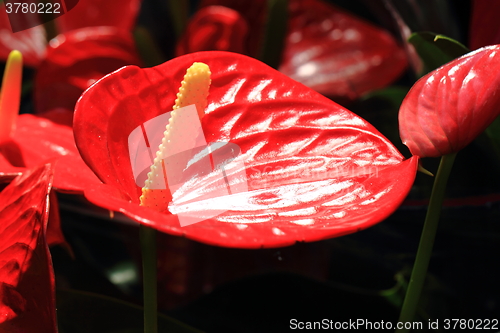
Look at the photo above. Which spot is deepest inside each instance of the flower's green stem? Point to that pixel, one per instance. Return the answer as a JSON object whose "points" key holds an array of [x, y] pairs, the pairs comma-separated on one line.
{"points": [[148, 49], [426, 242], [275, 32], [148, 247], [179, 10]]}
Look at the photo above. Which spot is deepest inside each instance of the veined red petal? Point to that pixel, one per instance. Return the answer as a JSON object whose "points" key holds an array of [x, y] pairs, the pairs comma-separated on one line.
{"points": [[27, 302], [313, 169], [449, 107]]}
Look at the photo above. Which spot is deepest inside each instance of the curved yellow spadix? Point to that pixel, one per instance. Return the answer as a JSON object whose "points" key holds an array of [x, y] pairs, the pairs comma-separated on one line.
{"points": [[194, 90]]}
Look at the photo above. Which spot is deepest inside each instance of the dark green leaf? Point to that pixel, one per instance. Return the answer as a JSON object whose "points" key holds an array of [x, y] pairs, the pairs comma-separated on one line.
{"points": [[179, 15], [392, 96], [83, 312], [435, 50]]}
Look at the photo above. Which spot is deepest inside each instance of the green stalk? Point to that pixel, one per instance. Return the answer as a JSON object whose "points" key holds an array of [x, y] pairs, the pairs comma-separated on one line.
{"points": [[179, 10], [49, 24], [148, 247], [426, 242], [275, 32], [148, 49]]}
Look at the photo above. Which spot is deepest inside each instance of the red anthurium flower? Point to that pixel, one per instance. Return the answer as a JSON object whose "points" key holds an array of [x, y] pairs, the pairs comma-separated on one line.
{"points": [[36, 140], [91, 13], [214, 28], [87, 13], [449, 107], [313, 169], [484, 27], [27, 302], [326, 48], [27, 141], [253, 13], [75, 60]]}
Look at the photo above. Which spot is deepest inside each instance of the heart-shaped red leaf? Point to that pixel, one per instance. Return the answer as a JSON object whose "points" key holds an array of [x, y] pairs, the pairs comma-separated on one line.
{"points": [[30, 42], [77, 59], [37, 140], [449, 107], [92, 13], [27, 302], [313, 169], [338, 54]]}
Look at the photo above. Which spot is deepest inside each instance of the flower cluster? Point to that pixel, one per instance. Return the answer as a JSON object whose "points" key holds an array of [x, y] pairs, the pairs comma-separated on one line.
{"points": [[276, 161]]}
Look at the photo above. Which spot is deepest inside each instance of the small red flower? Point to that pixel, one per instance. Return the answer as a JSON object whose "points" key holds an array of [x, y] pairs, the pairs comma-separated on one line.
{"points": [[119, 14], [215, 28], [314, 169], [449, 107], [27, 302]]}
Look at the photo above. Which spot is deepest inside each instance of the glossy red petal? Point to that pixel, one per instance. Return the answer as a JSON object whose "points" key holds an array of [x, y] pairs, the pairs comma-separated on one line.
{"points": [[77, 59], [484, 27], [27, 302], [9, 172], [37, 140], [214, 28], [254, 14], [31, 42], [337, 54], [449, 107], [92, 13], [314, 169]]}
